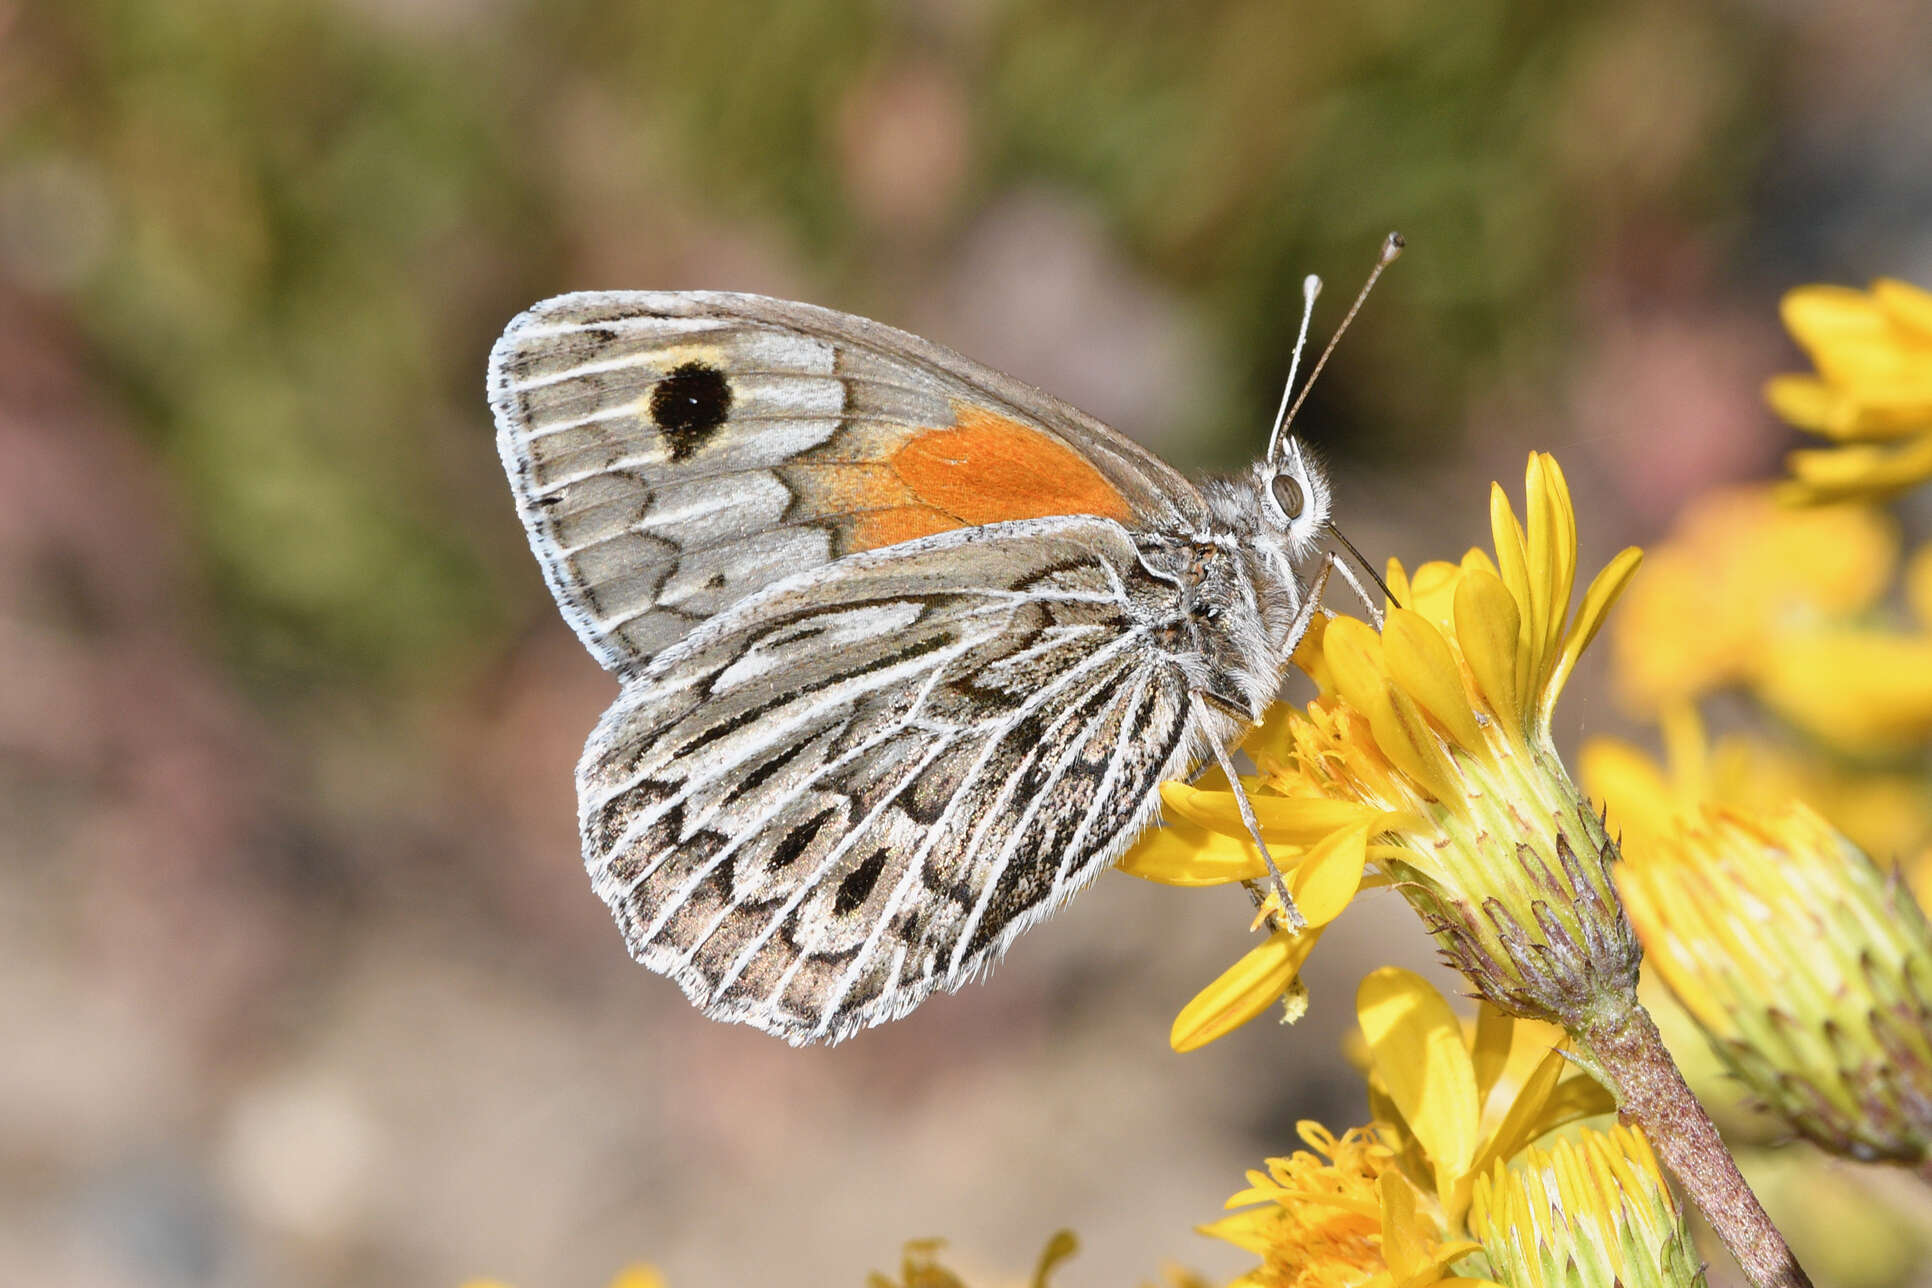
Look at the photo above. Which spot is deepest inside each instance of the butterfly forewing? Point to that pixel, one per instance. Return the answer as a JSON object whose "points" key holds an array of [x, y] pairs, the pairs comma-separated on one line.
{"points": [[857, 786], [674, 452]]}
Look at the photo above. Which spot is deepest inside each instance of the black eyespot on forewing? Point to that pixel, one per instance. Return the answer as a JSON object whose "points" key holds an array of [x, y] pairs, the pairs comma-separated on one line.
{"points": [[1288, 494], [689, 404]]}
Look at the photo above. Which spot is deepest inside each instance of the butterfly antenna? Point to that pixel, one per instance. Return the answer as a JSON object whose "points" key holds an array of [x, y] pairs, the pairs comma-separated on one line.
{"points": [[1365, 566], [1311, 286], [1391, 247]]}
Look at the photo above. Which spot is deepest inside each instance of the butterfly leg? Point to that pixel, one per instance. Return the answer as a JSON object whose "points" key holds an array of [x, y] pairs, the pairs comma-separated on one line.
{"points": [[1290, 913], [1305, 610], [1355, 584]]}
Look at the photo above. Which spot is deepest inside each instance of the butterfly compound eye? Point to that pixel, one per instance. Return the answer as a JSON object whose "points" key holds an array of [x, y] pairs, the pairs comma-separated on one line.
{"points": [[1288, 495]]}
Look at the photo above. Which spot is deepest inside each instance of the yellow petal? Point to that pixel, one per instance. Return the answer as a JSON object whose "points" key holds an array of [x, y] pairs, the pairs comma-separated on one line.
{"points": [[1687, 750], [1864, 692], [1420, 660], [1285, 820], [1524, 1121], [1309, 655], [638, 1276], [1810, 403], [1433, 592], [1489, 1053], [1252, 1231], [1243, 991], [1272, 742], [1877, 384], [1506, 534], [1907, 306], [1574, 1100], [1530, 1041], [1476, 557], [1428, 1271], [1416, 1046], [1412, 745], [1597, 602], [1512, 565], [1396, 577], [1180, 853], [1821, 318], [1552, 548], [1062, 1245], [1636, 795], [1856, 473], [1328, 877], [1894, 405], [1405, 1240], [1488, 627], [1354, 654]]}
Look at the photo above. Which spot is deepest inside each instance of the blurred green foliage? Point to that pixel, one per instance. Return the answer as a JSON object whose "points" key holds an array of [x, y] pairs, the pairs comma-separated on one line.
{"points": [[321, 211]]}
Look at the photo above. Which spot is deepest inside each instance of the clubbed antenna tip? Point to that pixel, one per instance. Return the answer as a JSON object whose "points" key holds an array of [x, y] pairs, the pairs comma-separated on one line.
{"points": [[1392, 246]]}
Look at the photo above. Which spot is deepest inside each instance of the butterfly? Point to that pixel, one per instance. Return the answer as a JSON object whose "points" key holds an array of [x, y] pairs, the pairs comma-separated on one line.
{"points": [[906, 646]]}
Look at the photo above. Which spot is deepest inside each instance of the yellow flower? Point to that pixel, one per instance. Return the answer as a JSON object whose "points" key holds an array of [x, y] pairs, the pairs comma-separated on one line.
{"points": [[1384, 1206], [1885, 812], [639, 1275], [1836, 1037], [1338, 1215], [1456, 1101], [1590, 1213], [1738, 572], [919, 1264], [1749, 593], [1872, 394], [1321, 847], [1429, 754], [1441, 722], [1863, 691]]}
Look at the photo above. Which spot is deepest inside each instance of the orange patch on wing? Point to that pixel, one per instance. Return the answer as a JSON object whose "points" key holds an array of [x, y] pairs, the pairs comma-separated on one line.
{"points": [[900, 523], [853, 487], [986, 469]]}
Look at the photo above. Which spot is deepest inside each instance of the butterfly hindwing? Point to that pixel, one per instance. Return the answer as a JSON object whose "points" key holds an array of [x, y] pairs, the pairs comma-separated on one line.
{"points": [[858, 785], [674, 452]]}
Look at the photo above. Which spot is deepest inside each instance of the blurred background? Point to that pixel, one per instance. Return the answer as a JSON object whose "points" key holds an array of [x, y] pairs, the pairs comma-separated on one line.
{"points": [[301, 981]]}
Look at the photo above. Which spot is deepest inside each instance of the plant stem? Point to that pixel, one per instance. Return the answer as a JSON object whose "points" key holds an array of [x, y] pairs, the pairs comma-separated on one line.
{"points": [[1627, 1049]]}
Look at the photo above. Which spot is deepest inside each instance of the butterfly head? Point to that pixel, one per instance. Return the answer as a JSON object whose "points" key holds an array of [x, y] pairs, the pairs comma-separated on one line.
{"points": [[1294, 497]]}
